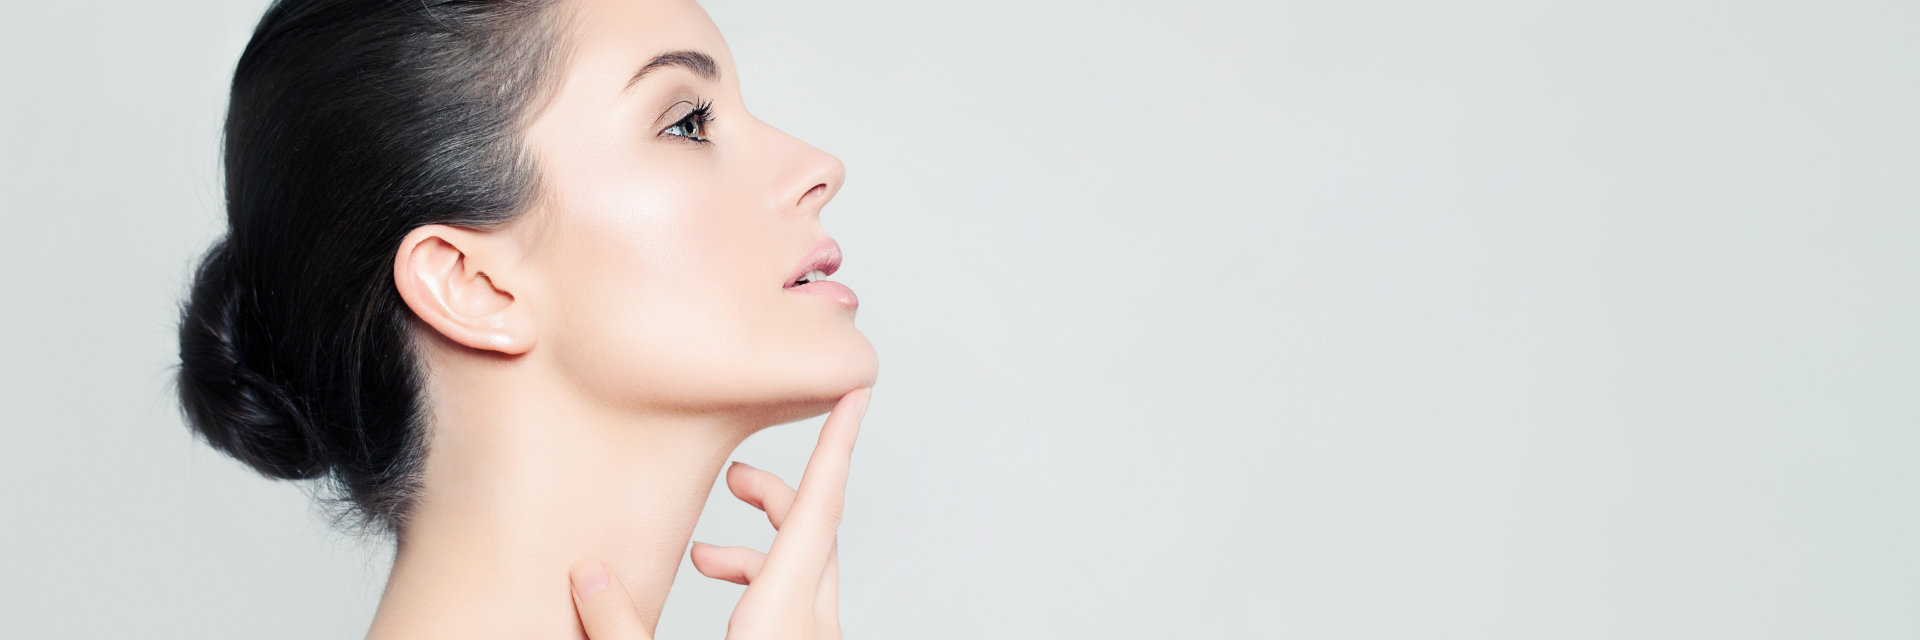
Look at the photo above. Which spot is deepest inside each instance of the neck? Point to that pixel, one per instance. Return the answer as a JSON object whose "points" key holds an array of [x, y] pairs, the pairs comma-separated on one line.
{"points": [[521, 485]]}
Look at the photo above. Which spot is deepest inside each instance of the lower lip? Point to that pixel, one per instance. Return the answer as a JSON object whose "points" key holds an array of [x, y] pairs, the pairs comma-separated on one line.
{"points": [[830, 290]]}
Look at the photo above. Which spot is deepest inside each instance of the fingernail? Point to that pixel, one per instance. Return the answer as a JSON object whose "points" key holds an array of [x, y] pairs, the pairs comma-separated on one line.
{"points": [[590, 578]]}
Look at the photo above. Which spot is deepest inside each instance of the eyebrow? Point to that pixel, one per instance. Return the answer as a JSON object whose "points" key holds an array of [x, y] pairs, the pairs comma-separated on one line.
{"points": [[699, 63]]}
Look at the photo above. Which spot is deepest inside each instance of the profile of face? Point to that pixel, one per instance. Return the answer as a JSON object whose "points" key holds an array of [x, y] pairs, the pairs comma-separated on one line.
{"points": [[657, 268]]}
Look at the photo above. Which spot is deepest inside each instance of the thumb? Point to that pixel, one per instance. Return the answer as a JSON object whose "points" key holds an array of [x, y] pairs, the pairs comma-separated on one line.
{"points": [[606, 611]]}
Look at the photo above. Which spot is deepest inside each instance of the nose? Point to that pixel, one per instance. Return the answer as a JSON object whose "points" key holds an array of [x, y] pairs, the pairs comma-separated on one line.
{"points": [[814, 179]]}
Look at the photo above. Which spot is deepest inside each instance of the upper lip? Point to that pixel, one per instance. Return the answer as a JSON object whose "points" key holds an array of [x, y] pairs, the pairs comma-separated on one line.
{"points": [[825, 256]]}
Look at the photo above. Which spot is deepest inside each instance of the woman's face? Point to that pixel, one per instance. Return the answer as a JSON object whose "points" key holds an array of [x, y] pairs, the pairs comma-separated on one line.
{"points": [[672, 224]]}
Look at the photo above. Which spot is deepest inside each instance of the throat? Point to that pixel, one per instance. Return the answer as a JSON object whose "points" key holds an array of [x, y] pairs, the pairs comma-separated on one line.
{"points": [[507, 508]]}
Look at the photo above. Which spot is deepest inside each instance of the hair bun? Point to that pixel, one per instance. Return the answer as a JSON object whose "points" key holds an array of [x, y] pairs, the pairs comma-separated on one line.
{"points": [[236, 408]]}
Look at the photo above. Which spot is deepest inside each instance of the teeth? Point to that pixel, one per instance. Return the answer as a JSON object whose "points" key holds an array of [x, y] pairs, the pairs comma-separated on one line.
{"points": [[815, 275]]}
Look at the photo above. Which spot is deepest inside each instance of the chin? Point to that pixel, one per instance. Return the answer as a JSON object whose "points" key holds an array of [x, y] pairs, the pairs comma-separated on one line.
{"points": [[817, 381]]}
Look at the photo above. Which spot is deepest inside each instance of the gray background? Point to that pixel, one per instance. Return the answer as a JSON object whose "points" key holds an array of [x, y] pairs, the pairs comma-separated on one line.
{"points": [[1284, 319]]}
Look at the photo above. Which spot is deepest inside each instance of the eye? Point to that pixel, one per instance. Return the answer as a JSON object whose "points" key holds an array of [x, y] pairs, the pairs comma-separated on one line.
{"points": [[692, 126]]}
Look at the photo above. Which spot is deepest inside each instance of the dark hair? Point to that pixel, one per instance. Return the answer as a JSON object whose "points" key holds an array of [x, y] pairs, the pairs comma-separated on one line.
{"points": [[350, 123]]}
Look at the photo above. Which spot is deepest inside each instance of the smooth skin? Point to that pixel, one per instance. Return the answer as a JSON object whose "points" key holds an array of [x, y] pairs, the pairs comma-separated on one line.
{"points": [[793, 589], [592, 365]]}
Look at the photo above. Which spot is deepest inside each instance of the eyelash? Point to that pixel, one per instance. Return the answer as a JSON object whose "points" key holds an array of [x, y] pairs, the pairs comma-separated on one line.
{"points": [[694, 123]]}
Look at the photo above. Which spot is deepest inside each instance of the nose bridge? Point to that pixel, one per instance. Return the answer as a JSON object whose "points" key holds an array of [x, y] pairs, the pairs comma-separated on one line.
{"points": [[808, 177]]}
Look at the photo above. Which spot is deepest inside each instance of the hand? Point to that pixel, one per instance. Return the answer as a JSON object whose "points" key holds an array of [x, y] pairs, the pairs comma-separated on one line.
{"points": [[793, 589]]}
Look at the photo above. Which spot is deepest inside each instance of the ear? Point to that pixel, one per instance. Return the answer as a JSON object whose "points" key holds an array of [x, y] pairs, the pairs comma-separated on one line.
{"points": [[454, 280]]}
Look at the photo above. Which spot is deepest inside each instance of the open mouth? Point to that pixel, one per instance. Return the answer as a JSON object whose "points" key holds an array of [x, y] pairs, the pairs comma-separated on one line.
{"points": [[821, 262], [815, 275], [810, 276]]}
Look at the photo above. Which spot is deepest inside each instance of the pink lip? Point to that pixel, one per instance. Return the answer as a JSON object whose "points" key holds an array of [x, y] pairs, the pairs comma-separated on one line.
{"points": [[825, 256], [832, 291]]}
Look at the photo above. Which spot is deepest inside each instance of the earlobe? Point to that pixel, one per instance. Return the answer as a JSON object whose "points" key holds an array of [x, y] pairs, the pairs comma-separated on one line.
{"points": [[442, 274]]}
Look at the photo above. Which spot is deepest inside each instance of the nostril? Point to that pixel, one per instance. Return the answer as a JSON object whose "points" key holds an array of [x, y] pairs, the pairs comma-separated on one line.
{"points": [[818, 190]]}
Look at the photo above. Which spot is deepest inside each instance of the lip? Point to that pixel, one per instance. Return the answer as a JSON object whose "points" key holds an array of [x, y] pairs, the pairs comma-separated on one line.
{"points": [[830, 290], [825, 256]]}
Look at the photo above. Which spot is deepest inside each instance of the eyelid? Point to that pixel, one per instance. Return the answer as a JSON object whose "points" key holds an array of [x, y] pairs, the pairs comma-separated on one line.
{"points": [[668, 116]]}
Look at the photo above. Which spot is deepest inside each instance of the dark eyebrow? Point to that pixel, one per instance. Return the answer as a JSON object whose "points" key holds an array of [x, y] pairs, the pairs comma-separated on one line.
{"points": [[699, 63]]}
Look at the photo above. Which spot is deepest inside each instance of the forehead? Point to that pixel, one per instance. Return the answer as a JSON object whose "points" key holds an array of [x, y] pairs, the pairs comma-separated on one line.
{"points": [[609, 40]]}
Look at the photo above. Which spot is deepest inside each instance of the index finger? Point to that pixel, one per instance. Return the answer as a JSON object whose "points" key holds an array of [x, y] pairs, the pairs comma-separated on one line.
{"points": [[800, 550]]}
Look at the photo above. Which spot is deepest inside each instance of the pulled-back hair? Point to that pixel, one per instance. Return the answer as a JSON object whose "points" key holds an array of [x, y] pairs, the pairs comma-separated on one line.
{"points": [[351, 123]]}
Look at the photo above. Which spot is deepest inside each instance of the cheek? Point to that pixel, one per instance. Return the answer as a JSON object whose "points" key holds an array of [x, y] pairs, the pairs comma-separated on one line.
{"points": [[662, 296]]}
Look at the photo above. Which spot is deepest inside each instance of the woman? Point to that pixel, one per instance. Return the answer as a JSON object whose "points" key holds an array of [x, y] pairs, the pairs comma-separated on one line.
{"points": [[516, 276]]}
